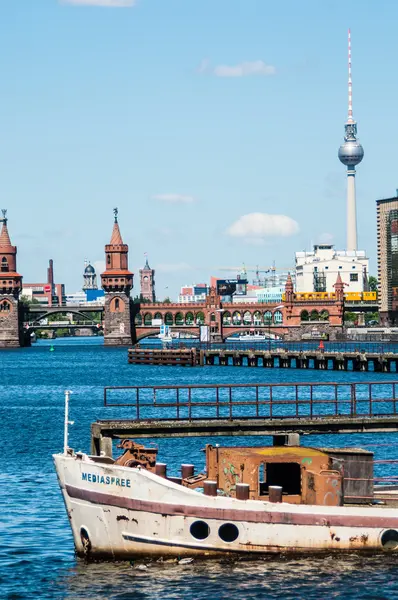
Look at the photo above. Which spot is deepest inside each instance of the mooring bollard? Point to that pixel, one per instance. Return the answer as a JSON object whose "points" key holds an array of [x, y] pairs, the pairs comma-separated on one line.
{"points": [[242, 491], [210, 488], [275, 493], [161, 469], [187, 471]]}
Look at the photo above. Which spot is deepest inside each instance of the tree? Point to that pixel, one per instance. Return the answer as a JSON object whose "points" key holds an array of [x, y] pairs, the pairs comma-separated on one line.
{"points": [[373, 283], [167, 300]]}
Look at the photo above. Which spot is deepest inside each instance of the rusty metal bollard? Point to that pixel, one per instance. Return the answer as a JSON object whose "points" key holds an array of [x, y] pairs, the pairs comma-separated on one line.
{"points": [[210, 488], [242, 491], [275, 493]]}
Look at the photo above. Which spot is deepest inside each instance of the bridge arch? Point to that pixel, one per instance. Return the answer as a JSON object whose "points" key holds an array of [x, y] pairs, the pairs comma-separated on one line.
{"points": [[148, 319], [247, 317], [226, 318], [138, 319], [62, 310], [200, 318], [257, 318], [158, 315], [237, 318], [189, 319], [168, 319], [278, 317], [179, 319]]}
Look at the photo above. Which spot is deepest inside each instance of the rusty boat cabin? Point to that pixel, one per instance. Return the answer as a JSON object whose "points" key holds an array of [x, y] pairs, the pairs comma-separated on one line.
{"points": [[284, 472]]}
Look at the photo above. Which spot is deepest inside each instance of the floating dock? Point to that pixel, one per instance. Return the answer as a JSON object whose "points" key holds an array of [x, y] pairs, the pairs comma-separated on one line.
{"points": [[245, 409], [312, 359]]}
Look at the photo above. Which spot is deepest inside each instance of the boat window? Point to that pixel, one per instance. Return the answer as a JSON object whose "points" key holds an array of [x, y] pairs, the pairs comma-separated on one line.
{"points": [[389, 539], [200, 530], [286, 475], [228, 532]]}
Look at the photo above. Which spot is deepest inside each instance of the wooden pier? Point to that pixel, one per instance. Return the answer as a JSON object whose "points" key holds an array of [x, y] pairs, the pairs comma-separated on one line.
{"points": [[386, 362], [245, 409]]}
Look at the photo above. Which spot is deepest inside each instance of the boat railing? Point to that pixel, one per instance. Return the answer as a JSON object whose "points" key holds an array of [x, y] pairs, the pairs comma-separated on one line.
{"points": [[240, 401]]}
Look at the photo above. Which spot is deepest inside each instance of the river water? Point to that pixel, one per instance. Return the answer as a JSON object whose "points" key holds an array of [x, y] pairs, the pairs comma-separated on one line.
{"points": [[36, 549]]}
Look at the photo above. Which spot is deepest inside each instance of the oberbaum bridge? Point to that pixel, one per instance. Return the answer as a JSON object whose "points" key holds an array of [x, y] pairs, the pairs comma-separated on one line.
{"points": [[126, 322]]}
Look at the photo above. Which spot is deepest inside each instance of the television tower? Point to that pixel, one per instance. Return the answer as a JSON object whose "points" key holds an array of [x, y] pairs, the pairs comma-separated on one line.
{"points": [[351, 154]]}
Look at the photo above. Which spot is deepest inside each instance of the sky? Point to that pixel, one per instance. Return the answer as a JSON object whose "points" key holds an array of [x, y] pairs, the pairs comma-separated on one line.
{"points": [[213, 126]]}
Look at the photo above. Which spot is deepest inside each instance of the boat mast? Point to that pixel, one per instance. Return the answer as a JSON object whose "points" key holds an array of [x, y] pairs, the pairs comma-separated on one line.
{"points": [[66, 422]]}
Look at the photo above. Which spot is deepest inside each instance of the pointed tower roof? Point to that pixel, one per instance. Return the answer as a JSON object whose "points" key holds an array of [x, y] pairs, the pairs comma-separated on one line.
{"points": [[116, 239], [339, 281], [4, 235], [289, 282]]}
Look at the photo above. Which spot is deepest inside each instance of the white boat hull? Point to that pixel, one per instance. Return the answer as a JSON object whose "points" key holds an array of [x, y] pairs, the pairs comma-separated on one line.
{"points": [[120, 513]]}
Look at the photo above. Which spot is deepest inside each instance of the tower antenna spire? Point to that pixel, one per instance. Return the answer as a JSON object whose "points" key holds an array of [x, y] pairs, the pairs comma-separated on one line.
{"points": [[350, 117], [351, 154]]}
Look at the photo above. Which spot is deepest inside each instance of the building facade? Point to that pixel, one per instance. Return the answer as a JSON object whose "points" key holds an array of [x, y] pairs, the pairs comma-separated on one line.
{"points": [[196, 292], [387, 259], [316, 271], [11, 317], [117, 282], [89, 277], [48, 293], [147, 283]]}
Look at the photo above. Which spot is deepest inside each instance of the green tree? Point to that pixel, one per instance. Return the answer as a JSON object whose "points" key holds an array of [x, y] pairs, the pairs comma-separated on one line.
{"points": [[373, 283], [350, 317]]}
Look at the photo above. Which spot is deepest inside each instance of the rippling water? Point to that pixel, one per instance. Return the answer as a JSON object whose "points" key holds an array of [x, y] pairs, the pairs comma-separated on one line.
{"points": [[36, 549]]}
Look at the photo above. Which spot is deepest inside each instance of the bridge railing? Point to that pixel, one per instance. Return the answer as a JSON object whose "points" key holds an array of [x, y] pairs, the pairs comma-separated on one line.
{"points": [[253, 401]]}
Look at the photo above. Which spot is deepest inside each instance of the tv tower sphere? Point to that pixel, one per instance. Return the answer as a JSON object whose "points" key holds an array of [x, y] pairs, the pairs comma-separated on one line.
{"points": [[351, 153]]}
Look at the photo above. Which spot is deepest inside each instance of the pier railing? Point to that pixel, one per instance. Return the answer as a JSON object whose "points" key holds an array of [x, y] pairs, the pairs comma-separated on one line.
{"points": [[253, 401]]}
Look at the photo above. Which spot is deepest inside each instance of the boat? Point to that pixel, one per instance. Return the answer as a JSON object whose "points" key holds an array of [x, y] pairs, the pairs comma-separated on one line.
{"points": [[250, 501]]}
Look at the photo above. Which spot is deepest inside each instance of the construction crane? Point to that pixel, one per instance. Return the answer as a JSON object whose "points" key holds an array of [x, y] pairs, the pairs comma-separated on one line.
{"points": [[244, 270]]}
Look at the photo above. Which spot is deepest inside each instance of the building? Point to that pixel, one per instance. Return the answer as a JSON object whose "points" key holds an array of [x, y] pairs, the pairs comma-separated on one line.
{"points": [[196, 292], [11, 317], [316, 271], [387, 259], [49, 293], [147, 283], [350, 154], [117, 282], [270, 295], [89, 277]]}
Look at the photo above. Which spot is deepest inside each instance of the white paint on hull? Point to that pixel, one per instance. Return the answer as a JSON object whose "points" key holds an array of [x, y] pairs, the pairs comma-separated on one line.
{"points": [[119, 532]]}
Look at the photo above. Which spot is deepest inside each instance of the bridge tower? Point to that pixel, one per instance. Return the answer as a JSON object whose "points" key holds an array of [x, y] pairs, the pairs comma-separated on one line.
{"points": [[11, 317], [117, 282], [147, 282]]}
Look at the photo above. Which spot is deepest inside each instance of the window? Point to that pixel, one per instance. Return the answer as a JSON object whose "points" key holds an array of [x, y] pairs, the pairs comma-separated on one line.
{"points": [[353, 276], [108, 259], [4, 265], [117, 304], [286, 475]]}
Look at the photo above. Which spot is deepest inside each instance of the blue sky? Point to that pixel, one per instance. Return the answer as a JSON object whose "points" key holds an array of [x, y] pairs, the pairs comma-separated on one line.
{"points": [[188, 115]]}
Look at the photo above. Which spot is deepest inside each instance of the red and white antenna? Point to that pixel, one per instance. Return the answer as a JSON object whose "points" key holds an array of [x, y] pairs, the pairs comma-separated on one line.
{"points": [[350, 117]]}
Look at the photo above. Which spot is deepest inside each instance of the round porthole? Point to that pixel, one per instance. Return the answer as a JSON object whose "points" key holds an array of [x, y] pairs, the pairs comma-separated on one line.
{"points": [[200, 530], [389, 539], [228, 532], [86, 543]]}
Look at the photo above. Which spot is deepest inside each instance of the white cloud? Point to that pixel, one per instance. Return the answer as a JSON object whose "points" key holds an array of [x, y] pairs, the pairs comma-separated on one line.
{"points": [[103, 3], [254, 228], [172, 268], [174, 198], [256, 67]]}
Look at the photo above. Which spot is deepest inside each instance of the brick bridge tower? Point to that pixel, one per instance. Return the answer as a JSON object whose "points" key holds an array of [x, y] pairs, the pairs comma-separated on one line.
{"points": [[11, 317], [147, 282], [117, 282]]}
